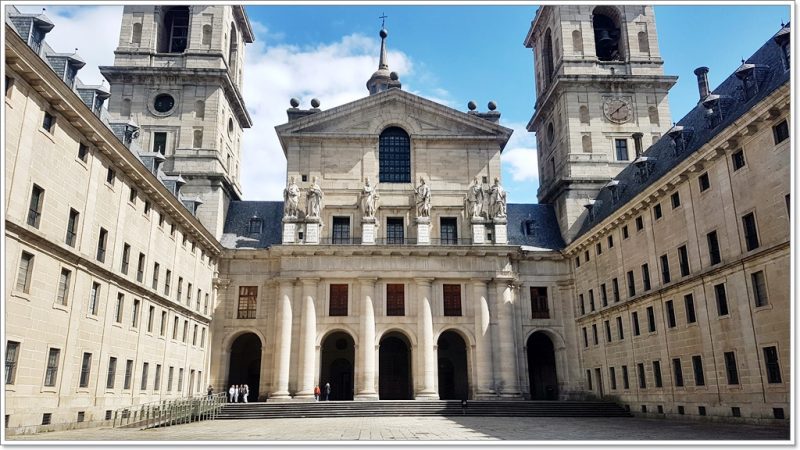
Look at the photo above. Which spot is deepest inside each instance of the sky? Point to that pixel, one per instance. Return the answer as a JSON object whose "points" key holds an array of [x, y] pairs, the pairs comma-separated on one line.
{"points": [[449, 54]]}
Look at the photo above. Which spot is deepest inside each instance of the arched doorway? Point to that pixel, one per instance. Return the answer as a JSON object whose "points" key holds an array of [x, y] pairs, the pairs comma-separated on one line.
{"points": [[245, 364], [394, 368], [336, 365], [453, 384], [542, 367]]}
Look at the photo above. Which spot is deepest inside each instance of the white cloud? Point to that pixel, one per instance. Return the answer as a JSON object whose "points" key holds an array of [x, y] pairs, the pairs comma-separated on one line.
{"points": [[519, 158]]}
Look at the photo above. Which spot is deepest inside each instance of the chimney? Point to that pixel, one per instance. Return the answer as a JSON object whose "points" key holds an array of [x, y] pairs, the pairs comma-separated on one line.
{"points": [[702, 81], [637, 142]]}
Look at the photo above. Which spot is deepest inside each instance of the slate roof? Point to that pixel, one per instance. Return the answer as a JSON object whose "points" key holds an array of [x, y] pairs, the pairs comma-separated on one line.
{"points": [[663, 153], [533, 225]]}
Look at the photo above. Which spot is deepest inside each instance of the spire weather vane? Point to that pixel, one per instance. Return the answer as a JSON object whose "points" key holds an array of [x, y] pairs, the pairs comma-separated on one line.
{"points": [[383, 17]]}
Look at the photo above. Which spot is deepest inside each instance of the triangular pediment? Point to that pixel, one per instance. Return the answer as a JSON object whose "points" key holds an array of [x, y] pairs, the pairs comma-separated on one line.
{"points": [[370, 115]]}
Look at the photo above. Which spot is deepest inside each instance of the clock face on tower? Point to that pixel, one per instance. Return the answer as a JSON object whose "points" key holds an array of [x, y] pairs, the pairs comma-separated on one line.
{"points": [[617, 110]]}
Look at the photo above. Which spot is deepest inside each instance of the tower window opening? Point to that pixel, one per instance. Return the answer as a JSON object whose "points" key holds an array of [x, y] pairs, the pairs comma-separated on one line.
{"points": [[547, 55], [175, 31], [606, 36]]}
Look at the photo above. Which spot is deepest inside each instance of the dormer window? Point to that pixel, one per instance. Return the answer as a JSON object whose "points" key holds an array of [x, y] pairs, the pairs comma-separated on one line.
{"points": [[37, 37], [69, 75], [680, 138], [174, 33], [256, 225], [783, 39]]}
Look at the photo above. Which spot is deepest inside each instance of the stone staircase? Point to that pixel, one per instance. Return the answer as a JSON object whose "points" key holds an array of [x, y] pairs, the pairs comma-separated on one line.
{"points": [[392, 408]]}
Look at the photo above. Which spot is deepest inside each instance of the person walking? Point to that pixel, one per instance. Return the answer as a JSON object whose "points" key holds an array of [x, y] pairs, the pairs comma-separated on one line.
{"points": [[316, 393], [231, 392], [327, 392], [210, 391], [246, 392]]}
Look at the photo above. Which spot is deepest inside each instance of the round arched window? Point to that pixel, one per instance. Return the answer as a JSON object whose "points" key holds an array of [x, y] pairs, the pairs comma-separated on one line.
{"points": [[163, 103], [394, 155]]}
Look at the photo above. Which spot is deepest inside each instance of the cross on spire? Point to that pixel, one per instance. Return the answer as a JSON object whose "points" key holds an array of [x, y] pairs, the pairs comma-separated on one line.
{"points": [[383, 17]]}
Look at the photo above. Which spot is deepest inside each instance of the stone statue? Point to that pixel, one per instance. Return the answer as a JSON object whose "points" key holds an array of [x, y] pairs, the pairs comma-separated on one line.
{"points": [[497, 200], [291, 199], [369, 200], [423, 199], [475, 197], [314, 197]]}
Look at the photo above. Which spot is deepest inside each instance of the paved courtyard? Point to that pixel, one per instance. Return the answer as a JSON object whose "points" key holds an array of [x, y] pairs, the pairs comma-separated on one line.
{"points": [[427, 429]]}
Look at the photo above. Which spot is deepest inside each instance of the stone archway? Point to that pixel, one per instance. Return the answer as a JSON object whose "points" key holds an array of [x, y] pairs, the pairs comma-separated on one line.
{"points": [[453, 380], [245, 363], [542, 367], [394, 368], [337, 358]]}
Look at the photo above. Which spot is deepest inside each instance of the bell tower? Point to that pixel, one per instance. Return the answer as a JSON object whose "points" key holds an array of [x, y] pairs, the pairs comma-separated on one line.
{"points": [[177, 75], [601, 94]]}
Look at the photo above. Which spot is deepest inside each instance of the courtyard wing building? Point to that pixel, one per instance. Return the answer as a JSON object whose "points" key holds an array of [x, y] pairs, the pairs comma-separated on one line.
{"points": [[653, 272]]}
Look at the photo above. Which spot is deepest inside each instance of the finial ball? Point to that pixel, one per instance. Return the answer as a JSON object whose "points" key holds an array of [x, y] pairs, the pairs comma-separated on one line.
{"points": [[471, 105], [492, 106], [394, 76], [384, 33], [314, 103], [294, 102]]}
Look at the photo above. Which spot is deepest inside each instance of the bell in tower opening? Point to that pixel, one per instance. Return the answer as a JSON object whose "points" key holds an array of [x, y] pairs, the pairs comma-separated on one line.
{"points": [[606, 35]]}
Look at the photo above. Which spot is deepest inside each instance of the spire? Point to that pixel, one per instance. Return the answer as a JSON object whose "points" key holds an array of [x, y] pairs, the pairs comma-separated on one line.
{"points": [[382, 79], [382, 64]]}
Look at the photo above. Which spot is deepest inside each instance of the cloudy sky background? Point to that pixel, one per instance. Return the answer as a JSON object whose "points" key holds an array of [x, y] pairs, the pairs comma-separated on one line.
{"points": [[449, 54]]}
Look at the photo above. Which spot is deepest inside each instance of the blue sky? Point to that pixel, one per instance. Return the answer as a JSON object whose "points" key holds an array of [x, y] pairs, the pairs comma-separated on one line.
{"points": [[449, 54]]}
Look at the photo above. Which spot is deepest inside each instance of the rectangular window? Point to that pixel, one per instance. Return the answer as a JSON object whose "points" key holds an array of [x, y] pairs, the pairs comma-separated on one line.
{"points": [[750, 231], [140, 268], [730, 368], [781, 131], [620, 331], [577, 261], [167, 281], [610, 241], [111, 175], [759, 288], [197, 303], [594, 334], [646, 277], [145, 367], [657, 211], [737, 158], [157, 380], [583, 306], [642, 380], [126, 256], [133, 196], [651, 319], [608, 331], [395, 300], [670, 314], [591, 299], [688, 301], [697, 365], [395, 230], [156, 268], [48, 122], [94, 299], [677, 370], [598, 248], [72, 228], [194, 335], [613, 377], [631, 284], [451, 295], [86, 368], [603, 295], [621, 146], [722, 299], [51, 373], [163, 331], [160, 143], [773, 366], [135, 319], [175, 328], [180, 290], [338, 300], [170, 375], [449, 230], [185, 331], [119, 311], [585, 338], [63, 287], [188, 294], [615, 289], [101, 245], [180, 380], [683, 260], [341, 230], [657, 373], [111, 375], [704, 182], [713, 248], [151, 318], [589, 378], [128, 374], [635, 322], [203, 338], [665, 276], [539, 305], [12, 355], [625, 383], [586, 255], [248, 296], [205, 304], [147, 207], [83, 152], [639, 223], [675, 198], [35, 208], [625, 232]]}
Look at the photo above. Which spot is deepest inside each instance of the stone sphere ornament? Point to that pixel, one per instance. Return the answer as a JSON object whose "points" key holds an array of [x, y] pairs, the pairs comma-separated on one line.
{"points": [[314, 103], [394, 76], [383, 33], [492, 106], [472, 105], [294, 102]]}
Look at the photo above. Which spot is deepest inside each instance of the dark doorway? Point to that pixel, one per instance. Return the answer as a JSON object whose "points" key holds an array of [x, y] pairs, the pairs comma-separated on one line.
{"points": [[542, 367], [394, 368], [453, 384], [336, 365], [245, 365]]}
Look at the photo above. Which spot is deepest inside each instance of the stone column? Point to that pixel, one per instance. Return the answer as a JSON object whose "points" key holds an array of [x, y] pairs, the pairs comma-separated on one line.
{"points": [[425, 341], [484, 371], [506, 373], [308, 338], [365, 368], [283, 348]]}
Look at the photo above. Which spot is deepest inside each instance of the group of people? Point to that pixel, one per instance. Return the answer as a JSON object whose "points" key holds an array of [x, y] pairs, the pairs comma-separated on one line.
{"points": [[325, 394], [238, 391]]}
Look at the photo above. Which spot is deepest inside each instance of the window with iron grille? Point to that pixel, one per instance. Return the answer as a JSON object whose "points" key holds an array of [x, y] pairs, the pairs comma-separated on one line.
{"points": [[750, 231], [86, 368], [730, 368], [697, 365], [772, 364], [759, 288], [677, 371], [341, 230], [167, 281], [449, 230], [12, 355], [394, 156], [539, 306], [451, 294], [72, 228], [163, 330], [185, 330], [180, 380], [338, 300], [35, 209], [713, 248], [118, 310], [62, 297], [128, 374], [126, 256], [170, 374], [248, 296], [395, 300], [395, 230], [180, 290], [47, 418], [51, 373]]}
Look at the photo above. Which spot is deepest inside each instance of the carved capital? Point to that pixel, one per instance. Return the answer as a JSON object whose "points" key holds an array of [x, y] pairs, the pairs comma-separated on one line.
{"points": [[221, 283]]}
